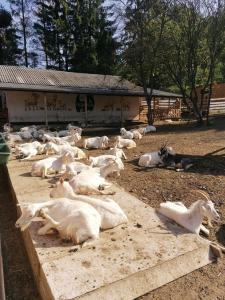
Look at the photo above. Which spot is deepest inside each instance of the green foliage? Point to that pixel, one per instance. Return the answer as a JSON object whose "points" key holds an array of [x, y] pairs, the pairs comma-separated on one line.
{"points": [[76, 35], [9, 52]]}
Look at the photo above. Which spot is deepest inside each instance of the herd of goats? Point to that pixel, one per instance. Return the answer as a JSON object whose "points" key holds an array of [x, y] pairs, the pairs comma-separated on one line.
{"points": [[77, 215]]}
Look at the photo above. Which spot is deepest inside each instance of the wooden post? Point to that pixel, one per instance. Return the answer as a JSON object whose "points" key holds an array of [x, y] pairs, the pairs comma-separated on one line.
{"points": [[121, 111], [86, 113], [46, 110], [2, 284]]}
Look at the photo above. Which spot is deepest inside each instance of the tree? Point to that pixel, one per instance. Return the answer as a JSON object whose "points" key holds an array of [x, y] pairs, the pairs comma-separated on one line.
{"points": [[94, 48], [144, 23], [9, 52], [22, 11], [193, 43]]}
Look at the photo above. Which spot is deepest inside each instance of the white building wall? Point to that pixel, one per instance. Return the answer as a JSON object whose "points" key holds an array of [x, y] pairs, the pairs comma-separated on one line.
{"points": [[61, 107]]}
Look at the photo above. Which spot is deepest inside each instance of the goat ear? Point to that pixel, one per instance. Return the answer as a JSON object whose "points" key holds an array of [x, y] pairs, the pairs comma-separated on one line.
{"points": [[61, 180]]}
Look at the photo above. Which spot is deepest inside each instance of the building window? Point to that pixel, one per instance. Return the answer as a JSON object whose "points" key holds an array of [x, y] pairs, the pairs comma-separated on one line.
{"points": [[2, 102], [90, 102], [80, 103]]}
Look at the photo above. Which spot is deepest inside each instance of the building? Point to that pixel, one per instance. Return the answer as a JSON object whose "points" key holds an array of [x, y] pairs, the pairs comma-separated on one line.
{"points": [[43, 96], [217, 102]]}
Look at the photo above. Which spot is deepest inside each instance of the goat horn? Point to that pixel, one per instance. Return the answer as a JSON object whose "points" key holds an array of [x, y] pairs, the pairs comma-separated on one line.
{"points": [[203, 193]]}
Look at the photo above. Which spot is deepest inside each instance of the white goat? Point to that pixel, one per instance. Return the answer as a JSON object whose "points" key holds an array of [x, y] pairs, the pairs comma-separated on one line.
{"points": [[124, 143], [111, 213], [117, 152], [29, 150], [144, 130], [90, 181], [75, 168], [60, 149], [12, 138], [74, 220], [191, 218], [72, 139], [154, 159], [96, 142], [76, 128], [104, 160], [7, 128], [51, 165], [126, 134]]}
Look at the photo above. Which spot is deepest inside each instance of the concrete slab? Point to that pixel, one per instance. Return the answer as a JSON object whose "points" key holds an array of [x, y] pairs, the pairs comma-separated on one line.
{"points": [[126, 262]]}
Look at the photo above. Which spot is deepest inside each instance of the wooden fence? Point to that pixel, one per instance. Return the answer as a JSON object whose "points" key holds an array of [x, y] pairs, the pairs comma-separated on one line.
{"points": [[163, 108]]}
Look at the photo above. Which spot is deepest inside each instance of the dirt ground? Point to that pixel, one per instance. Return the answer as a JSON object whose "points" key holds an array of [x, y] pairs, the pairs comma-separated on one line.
{"points": [[154, 186]]}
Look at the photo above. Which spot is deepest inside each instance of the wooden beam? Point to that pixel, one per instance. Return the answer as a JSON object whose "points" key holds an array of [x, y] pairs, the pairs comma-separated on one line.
{"points": [[46, 110]]}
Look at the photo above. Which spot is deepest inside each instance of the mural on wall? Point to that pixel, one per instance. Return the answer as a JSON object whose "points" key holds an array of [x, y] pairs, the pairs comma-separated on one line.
{"points": [[35, 102], [110, 107], [32, 102], [80, 103]]}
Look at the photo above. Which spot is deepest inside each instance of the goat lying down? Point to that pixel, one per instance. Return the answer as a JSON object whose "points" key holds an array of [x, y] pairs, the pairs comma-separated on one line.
{"points": [[91, 181], [191, 218], [74, 220], [111, 213], [51, 165], [154, 159]]}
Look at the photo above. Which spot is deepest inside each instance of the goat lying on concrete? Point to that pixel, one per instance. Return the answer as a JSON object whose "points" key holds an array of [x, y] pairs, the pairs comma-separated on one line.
{"points": [[90, 181], [74, 220], [154, 159], [124, 143], [52, 148], [96, 142], [74, 168], [191, 218], [28, 150], [111, 213], [51, 165]]}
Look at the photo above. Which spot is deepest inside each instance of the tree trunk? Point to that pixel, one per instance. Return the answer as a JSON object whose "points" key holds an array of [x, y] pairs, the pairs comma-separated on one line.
{"points": [[208, 104], [24, 36], [148, 98]]}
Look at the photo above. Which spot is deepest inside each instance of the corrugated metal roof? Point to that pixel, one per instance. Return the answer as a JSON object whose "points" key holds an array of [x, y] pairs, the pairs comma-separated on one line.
{"points": [[22, 78]]}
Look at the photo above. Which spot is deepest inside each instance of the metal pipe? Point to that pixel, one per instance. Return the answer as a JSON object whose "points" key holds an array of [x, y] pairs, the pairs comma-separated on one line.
{"points": [[2, 284]]}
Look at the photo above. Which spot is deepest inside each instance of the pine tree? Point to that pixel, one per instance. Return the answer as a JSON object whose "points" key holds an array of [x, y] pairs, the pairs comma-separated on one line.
{"points": [[22, 11], [9, 52]]}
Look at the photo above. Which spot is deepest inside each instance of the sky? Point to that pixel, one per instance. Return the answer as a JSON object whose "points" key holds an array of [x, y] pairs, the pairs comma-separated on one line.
{"points": [[4, 3]]}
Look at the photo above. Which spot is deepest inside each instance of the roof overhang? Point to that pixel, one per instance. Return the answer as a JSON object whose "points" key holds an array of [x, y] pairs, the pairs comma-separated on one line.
{"points": [[76, 90]]}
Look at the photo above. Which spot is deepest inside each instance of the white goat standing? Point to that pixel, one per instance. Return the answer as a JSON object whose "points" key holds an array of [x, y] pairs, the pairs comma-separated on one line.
{"points": [[124, 143], [74, 220], [51, 165], [111, 213], [96, 142], [191, 218]]}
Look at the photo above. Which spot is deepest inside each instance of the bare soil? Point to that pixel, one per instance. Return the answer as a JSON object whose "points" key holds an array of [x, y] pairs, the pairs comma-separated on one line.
{"points": [[152, 186]]}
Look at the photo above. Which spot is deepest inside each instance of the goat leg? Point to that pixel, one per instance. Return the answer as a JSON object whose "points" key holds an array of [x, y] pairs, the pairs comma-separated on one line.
{"points": [[204, 230]]}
